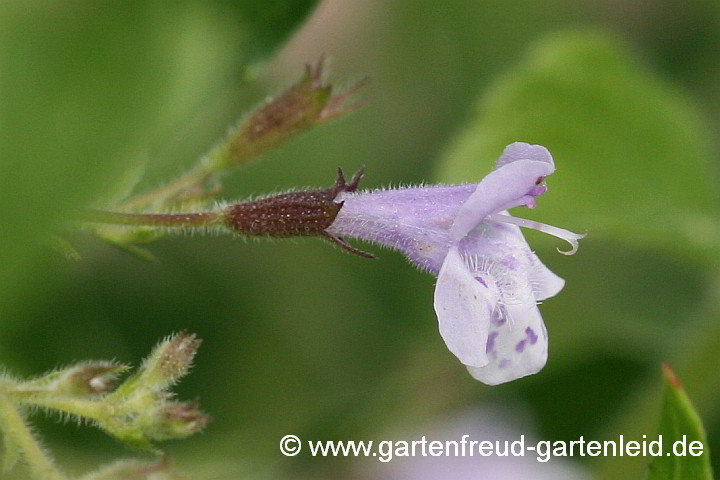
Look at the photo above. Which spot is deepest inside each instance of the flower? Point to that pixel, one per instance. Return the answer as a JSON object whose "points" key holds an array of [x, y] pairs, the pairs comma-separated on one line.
{"points": [[489, 281]]}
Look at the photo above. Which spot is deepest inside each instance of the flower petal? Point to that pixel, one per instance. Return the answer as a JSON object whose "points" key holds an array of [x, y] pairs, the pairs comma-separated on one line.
{"points": [[513, 183], [414, 220], [506, 243], [524, 151], [516, 347], [464, 308], [544, 282]]}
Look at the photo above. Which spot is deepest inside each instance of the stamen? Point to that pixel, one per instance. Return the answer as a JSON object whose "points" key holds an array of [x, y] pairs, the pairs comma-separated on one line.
{"points": [[567, 235], [524, 201]]}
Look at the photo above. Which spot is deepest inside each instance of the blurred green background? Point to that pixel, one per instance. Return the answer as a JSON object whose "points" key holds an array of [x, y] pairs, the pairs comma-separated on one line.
{"points": [[302, 338]]}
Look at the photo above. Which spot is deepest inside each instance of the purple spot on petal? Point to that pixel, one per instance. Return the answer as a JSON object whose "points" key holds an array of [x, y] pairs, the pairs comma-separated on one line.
{"points": [[490, 346], [479, 279], [520, 346], [532, 336], [504, 363]]}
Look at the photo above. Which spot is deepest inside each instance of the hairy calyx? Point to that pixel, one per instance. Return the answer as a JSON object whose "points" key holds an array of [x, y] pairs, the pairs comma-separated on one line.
{"points": [[294, 214]]}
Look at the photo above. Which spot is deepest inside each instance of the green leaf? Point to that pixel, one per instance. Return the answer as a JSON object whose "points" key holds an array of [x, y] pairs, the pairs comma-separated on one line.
{"points": [[680, 428], [632, 153]]}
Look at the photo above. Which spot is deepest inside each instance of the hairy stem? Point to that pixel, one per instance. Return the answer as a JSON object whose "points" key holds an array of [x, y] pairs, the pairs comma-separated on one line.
{"points": [[14, 426], [80, 408], [195, 219], [194, 178]]}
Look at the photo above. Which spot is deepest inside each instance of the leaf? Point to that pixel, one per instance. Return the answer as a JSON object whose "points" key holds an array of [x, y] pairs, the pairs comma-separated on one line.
{"points": [[680, 427], [633, 154]]}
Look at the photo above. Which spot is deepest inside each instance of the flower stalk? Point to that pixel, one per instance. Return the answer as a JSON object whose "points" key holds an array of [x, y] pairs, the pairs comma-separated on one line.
{"points": [[19, 439], [191, 219], [293, 214]]}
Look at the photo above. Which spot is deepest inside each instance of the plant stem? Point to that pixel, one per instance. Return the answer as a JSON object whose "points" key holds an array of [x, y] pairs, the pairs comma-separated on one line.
{"points": [[196, 219], [196, 177], [78, 407], [14, 426]]}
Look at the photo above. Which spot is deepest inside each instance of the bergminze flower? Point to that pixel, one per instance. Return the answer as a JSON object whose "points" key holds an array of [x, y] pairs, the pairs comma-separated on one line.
{"points": [[489, 281]]}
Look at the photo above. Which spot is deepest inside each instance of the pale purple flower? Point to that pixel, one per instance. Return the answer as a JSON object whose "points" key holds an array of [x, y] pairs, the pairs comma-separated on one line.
{"points": [[489, 281]]}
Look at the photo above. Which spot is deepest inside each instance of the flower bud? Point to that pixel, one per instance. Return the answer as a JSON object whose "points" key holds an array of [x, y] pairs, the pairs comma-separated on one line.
{"points": [[307, 102], [79, 380], [168, 362], [181, 419]]}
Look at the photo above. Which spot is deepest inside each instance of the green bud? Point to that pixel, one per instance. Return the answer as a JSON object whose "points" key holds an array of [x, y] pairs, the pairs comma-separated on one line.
{"points": [[180, 420], [308, 102], [169, 361], [79, 380]]}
